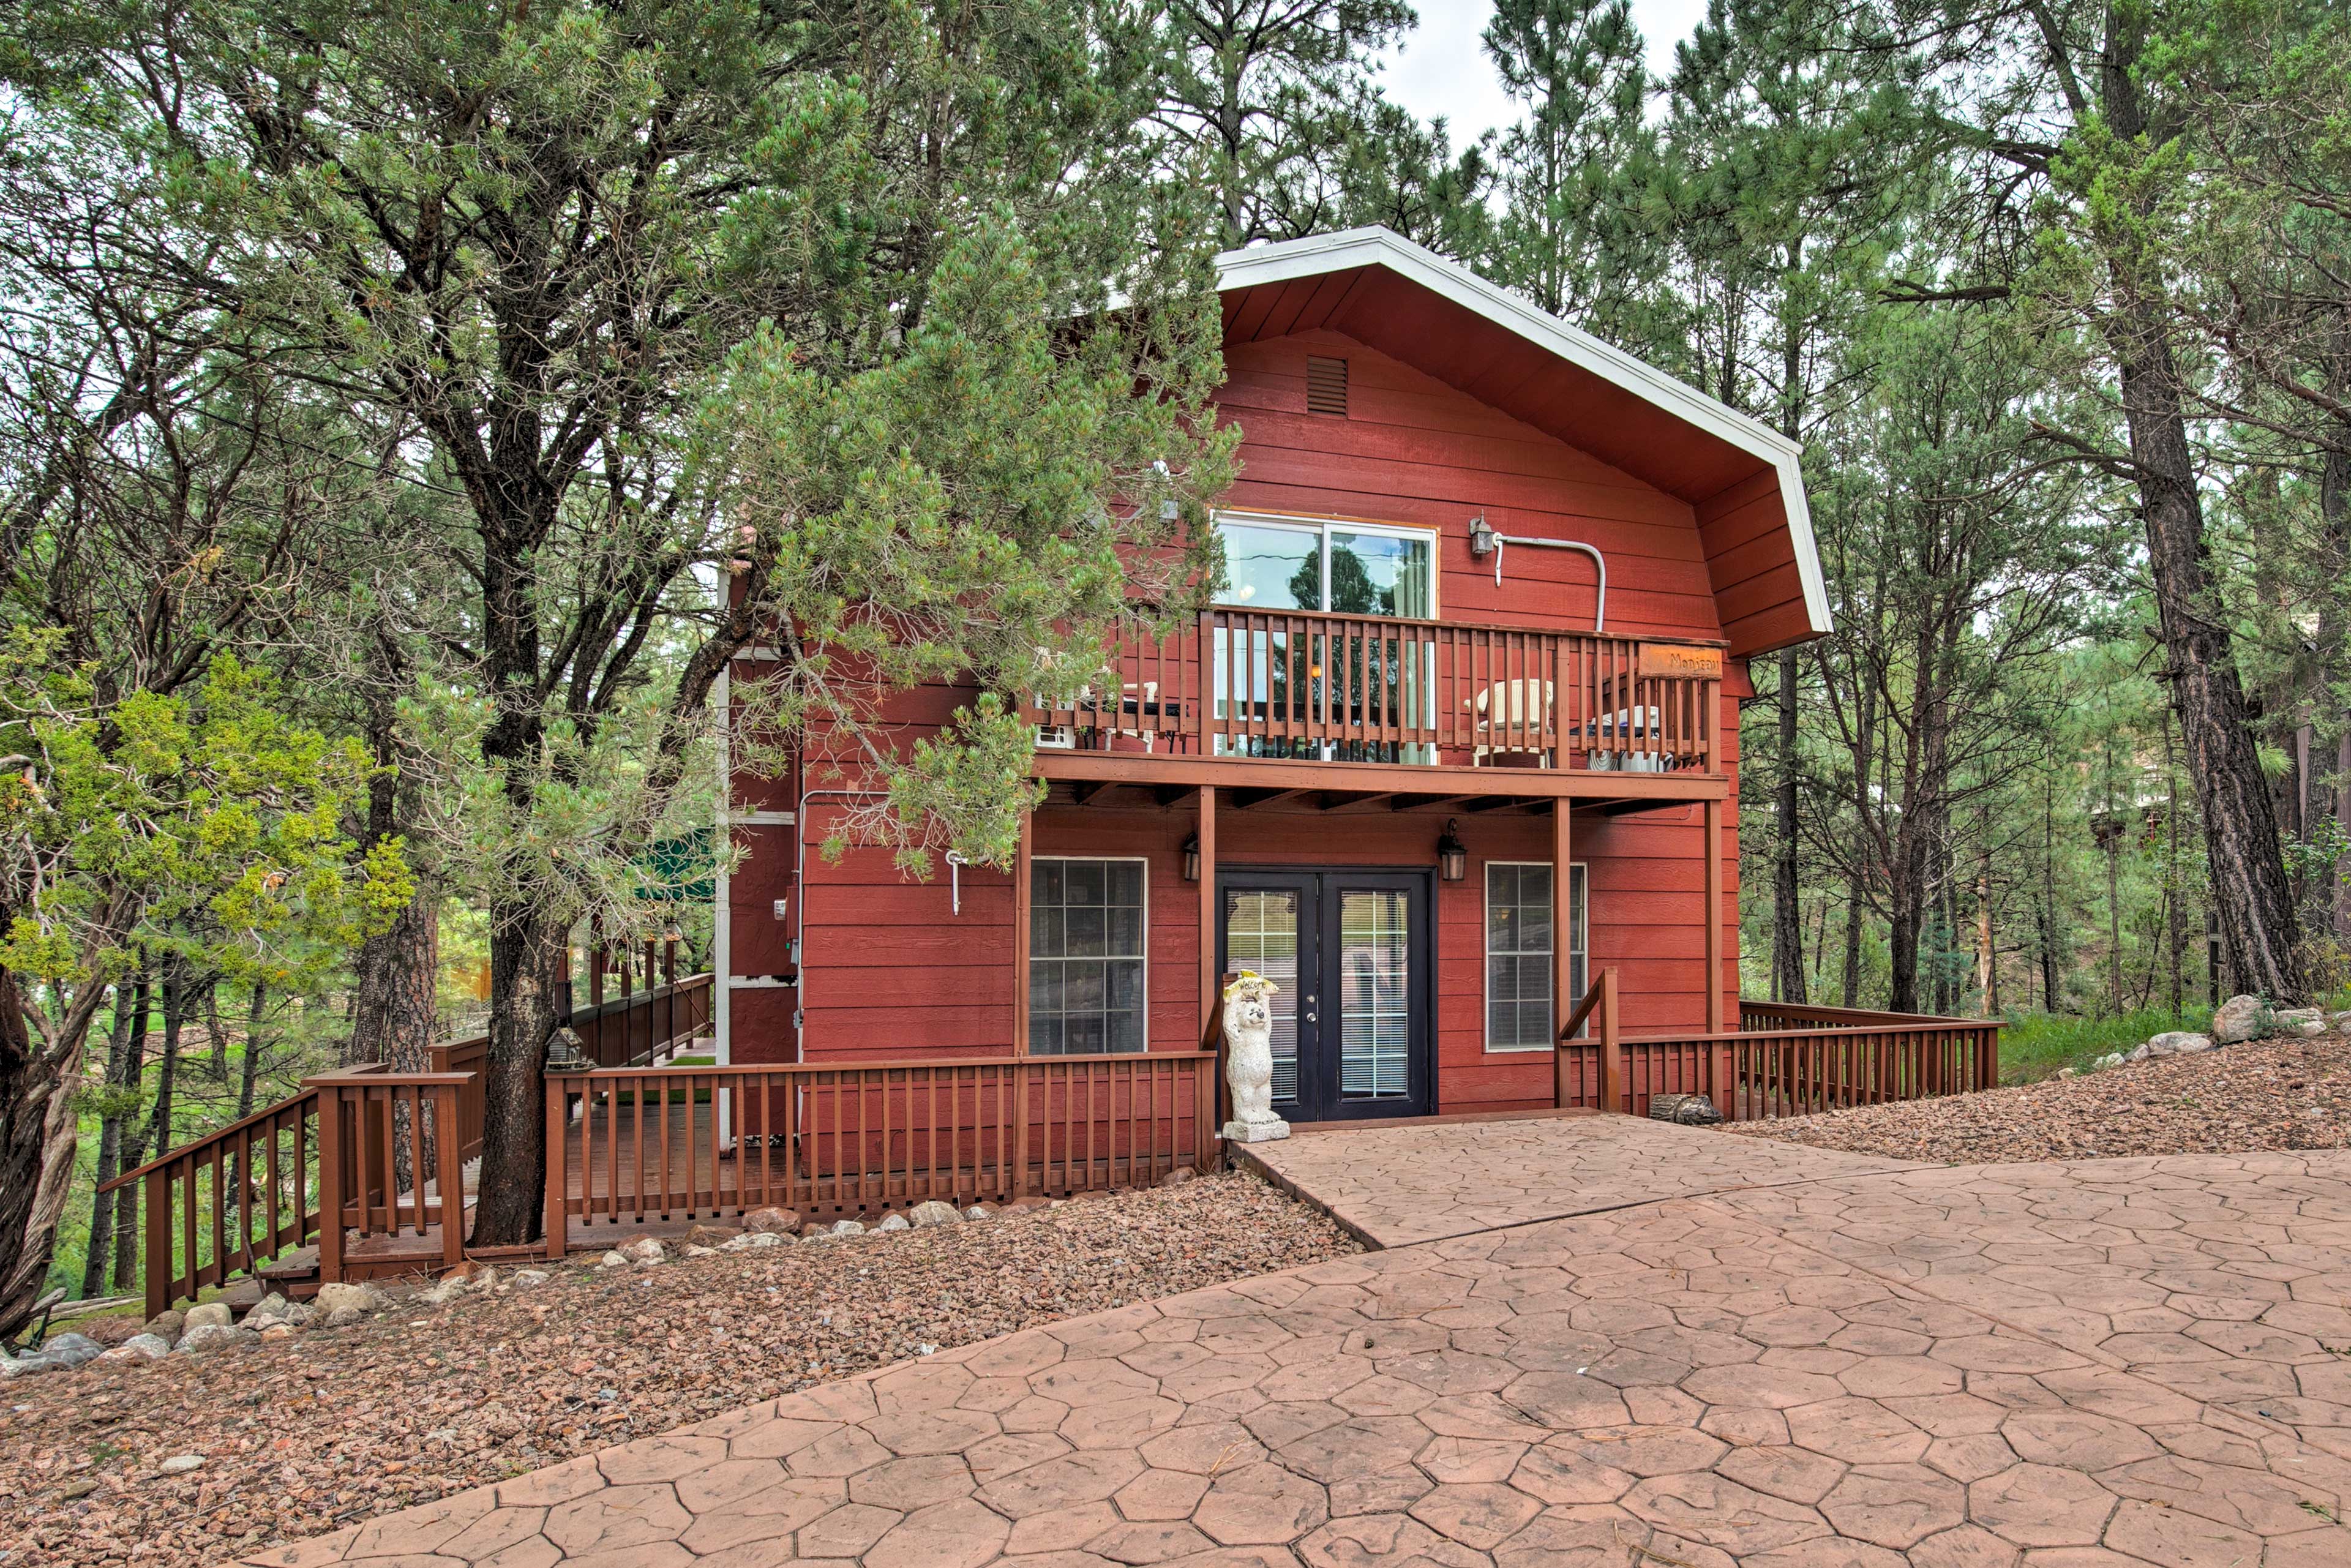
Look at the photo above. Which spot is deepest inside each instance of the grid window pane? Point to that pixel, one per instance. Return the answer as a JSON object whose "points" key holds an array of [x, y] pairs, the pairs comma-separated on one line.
{"points": [[1086, 935], [1520, 932]]}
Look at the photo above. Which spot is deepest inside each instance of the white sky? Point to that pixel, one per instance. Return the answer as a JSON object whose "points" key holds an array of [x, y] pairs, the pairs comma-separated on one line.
{"points": [[1443, 69]]}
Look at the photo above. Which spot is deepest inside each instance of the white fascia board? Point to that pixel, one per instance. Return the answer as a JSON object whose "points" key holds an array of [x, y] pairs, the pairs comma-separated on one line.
{"points": [[1317, 254]]}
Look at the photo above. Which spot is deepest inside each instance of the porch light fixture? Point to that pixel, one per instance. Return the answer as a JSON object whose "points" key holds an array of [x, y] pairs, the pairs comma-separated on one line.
{"points": [[1192, 858], [1452, 854]]}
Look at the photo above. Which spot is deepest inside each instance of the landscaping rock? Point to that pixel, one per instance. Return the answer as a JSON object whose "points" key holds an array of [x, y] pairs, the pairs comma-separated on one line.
{"points": [[268, 1309], [980, 1211], [613, 1261], [772, 1220], [893, 1222], [2293, 1018], [59, 1353], [710, 1236], [211, 1315], [2241, 1018], [444, 1292], [300, 1314], [646, 1249], [2111, 1059], [934, 1213], [849, 1227], [342, 1317], [141, 1347], [2177, 1042], [340, 1297], [753, 1240], [279, 1329], [168, 1326], [1177, 1176], [181, 1464], [212, 1337], [529, 1278]]}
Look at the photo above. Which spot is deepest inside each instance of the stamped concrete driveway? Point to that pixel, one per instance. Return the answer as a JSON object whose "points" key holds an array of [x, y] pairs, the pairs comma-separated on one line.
{"points": [[2137, 1362]]}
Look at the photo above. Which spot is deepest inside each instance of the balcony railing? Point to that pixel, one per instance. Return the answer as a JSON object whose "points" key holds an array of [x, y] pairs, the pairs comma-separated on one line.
{"points": [[1361, 688]]}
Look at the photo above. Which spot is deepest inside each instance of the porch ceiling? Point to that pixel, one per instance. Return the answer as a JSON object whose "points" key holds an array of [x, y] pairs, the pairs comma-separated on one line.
{"points": [[1093, 777]]}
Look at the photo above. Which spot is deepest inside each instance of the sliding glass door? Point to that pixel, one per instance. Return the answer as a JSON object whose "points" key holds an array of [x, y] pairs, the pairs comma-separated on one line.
{"points": [[1276, 564]]}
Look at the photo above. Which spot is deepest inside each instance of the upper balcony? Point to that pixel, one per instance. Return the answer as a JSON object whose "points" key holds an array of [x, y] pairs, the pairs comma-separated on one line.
{"points": [[1530, 712]]}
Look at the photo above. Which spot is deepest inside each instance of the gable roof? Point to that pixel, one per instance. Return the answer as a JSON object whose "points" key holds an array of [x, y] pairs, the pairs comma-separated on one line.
{"points": [[1741, 478]]}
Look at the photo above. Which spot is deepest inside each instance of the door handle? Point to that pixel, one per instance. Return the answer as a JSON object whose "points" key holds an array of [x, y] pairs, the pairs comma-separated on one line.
{"points": [[1309, 1004]]}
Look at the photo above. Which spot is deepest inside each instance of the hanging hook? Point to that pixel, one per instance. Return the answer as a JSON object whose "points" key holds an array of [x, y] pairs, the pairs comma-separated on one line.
{"points": [[955, 863]]}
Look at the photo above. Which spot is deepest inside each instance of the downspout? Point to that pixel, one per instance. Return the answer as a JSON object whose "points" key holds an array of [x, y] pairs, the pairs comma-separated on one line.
{"points": [[1484, 541]]}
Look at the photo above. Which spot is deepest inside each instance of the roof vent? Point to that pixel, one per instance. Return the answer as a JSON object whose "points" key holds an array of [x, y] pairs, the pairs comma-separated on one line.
{"points": [[1326, 386]]}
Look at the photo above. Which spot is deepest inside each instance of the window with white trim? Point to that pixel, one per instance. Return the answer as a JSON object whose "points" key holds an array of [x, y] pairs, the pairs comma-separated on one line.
{"points": [[1520, 938], [1087, 927]]}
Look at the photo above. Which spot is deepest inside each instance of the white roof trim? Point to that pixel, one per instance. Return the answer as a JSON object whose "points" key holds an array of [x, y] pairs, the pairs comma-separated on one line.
{"points": [[1319, 253]]}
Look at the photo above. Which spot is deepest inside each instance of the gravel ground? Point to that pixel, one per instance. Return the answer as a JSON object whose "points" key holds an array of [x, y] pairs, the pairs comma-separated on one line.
{"points": [[307, 1434], [2263, 1095]]}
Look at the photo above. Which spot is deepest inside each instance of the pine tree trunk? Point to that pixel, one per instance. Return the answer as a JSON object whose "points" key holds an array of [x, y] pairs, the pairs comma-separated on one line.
{"points": [[526, 957], [1787, 912], [1852, 990], [396, 1012], [36, 1157], [124, 1055], [2259, 931], [134, 1148]]}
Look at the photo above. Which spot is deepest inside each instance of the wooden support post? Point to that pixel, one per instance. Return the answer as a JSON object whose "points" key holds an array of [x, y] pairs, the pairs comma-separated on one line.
{"points": [[159, 1268], [330, 1184], [1612, 1050], [1023, 896], [448, 1151], [555, 1202], [1207, 835], [1714, 1008], [1563, 976]]}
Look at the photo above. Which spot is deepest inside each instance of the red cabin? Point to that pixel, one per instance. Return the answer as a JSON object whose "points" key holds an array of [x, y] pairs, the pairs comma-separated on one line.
{"points": [[1463, 731]]}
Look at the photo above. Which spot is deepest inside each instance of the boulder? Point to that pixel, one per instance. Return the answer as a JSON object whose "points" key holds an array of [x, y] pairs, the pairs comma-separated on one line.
{"points": [[980, 1211], [109, 1331], [344, 1317], [181, 1464], [212, 1337], [1177, 1176], [644, 1249], [2295, 1018], [772, 1220], [934, 1213], [30, 1364], [849, 1227], [211, 1315], [691, 1250], [710, 1236], [1028, 1205], [279, 1329], [2342, 1021], [2179, 1042], [300, 1314], [613, 1261], [168, 1326], [893, 1222], [2111, 1059], [445, 1292], [2066, 1072], [267, 1310], [144, 1347], [58, 1354], [2240, 1018], [529, 1278], [339, 1297]]}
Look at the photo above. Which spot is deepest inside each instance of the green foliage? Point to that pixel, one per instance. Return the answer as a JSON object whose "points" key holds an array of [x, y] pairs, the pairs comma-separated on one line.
{"points": [[207, 823], [2035, 1045]]}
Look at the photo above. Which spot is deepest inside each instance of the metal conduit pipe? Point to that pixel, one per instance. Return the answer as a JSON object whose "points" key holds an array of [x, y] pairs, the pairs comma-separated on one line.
{"points": [[1484, 541]]}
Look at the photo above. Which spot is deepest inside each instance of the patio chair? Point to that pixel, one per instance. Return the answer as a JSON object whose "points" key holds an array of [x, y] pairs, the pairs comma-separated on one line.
{"points": [[1507, 713]]}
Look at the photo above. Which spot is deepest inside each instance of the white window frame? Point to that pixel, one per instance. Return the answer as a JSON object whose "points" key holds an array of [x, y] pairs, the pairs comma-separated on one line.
{"points": [[1030, 958], [1578, 874], [1321, 527]]}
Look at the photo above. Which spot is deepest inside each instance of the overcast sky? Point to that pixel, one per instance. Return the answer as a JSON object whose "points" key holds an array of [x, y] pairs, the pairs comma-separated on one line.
{"points": [[1443, 69]]}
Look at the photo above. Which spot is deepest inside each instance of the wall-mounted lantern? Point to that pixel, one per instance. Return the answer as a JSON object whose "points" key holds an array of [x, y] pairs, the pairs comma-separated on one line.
{"points": [[1192, 858], [1452, 854]]}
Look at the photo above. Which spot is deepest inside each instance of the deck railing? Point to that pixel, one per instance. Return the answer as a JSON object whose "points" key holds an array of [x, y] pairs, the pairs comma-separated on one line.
{"points": [[1364, 688], [228, 1204], [1788, 1060], [637, 1145]]}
